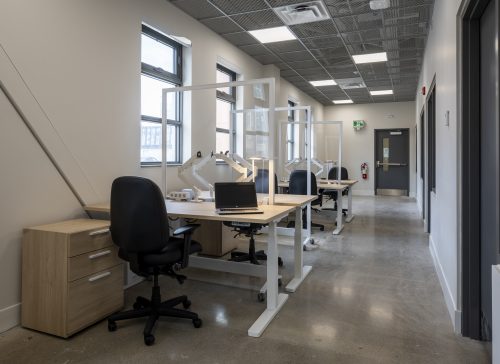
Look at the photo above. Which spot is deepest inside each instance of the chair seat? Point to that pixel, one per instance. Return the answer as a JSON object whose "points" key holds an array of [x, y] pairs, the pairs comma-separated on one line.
{"points": [[172, 253]]}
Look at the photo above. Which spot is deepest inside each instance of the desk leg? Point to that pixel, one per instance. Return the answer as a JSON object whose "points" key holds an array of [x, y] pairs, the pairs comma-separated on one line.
{"points": [[275, 300], [350, 216], [300, 271], [340, 226]]}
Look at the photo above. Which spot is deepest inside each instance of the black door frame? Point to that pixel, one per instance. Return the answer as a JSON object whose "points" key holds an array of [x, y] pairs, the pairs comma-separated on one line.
{"points": [[428, 165], [468, 95], [423, 156], [375, 154]]}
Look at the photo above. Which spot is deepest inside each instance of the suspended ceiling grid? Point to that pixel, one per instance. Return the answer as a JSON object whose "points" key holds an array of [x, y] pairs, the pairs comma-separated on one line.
{"points": [[323, 49]]}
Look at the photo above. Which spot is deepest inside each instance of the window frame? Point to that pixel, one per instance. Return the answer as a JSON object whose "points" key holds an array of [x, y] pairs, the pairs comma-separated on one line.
{"points": [[290, 143], [231, 99], [172, 78]]}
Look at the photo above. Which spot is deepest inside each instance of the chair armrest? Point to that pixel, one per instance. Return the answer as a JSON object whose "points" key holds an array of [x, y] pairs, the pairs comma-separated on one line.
{"points": [[187, 231]]}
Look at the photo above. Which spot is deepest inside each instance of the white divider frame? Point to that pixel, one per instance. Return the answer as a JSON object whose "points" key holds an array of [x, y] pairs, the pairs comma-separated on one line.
{"points": [[271, 82], [309, 124], [308, 110], [275, 300]]}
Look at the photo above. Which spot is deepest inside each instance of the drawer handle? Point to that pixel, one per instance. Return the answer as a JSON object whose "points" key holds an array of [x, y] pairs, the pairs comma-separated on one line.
{"points": [[99, 232], [100, 254], [99, 276]]}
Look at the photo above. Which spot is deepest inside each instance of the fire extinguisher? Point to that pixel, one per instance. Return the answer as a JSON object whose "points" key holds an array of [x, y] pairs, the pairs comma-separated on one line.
{"points": [[364, 170]]}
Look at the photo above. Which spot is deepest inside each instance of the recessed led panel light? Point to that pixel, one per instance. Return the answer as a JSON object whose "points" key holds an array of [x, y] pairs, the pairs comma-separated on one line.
{"points": [[340, 102], [370, 57], [271, 35], [323, 83], [381, 92]]}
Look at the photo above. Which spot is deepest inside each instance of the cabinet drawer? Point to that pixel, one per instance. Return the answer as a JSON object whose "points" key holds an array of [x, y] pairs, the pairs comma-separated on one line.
{"points": [[94, 297], [87, 241], [85, 264]]}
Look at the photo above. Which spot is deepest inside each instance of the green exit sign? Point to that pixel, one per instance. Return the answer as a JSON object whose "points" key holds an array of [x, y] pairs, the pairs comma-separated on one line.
{"points": [[358, 124]]}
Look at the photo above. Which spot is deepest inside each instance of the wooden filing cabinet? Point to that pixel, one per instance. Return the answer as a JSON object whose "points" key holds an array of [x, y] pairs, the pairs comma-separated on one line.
{"points": [[71, 276]]}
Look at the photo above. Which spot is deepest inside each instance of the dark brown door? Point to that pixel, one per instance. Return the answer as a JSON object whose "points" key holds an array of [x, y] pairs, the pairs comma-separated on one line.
{"points": [[392, 157]]}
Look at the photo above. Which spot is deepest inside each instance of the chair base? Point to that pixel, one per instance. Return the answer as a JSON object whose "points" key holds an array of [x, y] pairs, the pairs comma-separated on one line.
{"points": [[252, 258], [321, 227], [153, 309]]}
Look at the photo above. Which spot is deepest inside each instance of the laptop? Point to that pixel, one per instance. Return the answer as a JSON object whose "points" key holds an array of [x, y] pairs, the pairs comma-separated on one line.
{"points": [[234, 198]]}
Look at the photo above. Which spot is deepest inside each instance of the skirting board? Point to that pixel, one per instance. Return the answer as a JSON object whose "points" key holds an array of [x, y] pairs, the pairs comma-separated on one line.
{"points": [[455, 315], [10, 317], [495, 281]]}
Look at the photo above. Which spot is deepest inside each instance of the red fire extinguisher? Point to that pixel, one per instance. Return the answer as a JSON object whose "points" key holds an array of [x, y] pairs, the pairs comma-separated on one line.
{"points": [[364, 170]]}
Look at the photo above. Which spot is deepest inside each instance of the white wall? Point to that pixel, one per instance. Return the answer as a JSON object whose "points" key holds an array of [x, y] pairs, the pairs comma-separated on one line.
{"points": [[358, 146], [441, 61], [81, 62], [32, 193]]}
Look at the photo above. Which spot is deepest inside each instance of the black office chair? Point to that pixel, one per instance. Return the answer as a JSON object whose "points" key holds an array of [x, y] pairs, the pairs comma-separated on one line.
{"points": [[250, 230], [298, 186], [333, 195], [262, 181], [139, 227]]}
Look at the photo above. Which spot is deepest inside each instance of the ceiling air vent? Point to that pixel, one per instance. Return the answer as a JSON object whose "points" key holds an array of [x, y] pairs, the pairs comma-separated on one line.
{"points": [[308, 12], [350, 83]]}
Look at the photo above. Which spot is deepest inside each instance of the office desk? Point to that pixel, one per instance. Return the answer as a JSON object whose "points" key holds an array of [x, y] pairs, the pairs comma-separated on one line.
{"points": [[349, 183], [339, 187], [298, 202], [271, 216]]}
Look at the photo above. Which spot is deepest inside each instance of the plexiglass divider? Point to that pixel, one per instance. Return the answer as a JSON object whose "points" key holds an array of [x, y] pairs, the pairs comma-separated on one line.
{"points": [[250, 134]]}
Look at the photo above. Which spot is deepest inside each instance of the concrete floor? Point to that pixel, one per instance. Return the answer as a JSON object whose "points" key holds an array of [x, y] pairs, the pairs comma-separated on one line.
{"points": [[373, 297]]}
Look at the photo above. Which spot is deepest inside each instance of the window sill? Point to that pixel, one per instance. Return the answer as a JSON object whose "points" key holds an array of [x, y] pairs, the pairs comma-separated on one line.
{"points": [[144, 165]]}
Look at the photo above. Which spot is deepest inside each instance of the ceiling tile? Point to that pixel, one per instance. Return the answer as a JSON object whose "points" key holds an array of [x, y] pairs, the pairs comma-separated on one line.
{"points": [[319, 28], [258, 20], [296, 56], [240, 39], [198, 9], [239, 6], [267, 58], [287, 46], [323, 42], [255, 49], [221, 25]]}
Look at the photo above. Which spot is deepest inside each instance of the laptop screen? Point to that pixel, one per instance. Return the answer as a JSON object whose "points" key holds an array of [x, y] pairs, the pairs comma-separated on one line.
{"points": [[235, 195]]}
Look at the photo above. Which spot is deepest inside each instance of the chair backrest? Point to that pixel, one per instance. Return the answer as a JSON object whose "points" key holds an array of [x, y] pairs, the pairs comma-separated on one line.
{"points": [[139, 222], [262, 181], [332, 173], [298, 183]]}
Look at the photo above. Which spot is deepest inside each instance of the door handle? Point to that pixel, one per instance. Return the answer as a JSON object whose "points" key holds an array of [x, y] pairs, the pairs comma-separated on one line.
{"points": [[379, 164]]}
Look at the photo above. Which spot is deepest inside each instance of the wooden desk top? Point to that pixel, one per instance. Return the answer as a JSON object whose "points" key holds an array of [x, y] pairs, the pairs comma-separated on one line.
{"points": [[324, 184], [291, 200], [347, 182], [206, 211]]}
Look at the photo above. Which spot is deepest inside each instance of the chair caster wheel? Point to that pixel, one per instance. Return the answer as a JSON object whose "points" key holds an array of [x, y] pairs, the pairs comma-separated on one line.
{"points": [[261, 297], [140, 303], [280, 262], [137, 306], [112, 326], [197, 323], [149, 340], [186, 304], [280, 282]]}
